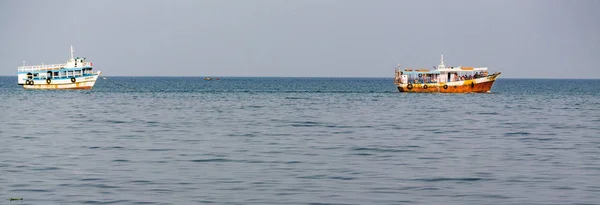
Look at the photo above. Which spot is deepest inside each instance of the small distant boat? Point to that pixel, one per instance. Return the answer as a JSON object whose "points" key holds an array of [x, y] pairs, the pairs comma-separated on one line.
{"points": [[445, 79], [75, 74], [208, 78]]}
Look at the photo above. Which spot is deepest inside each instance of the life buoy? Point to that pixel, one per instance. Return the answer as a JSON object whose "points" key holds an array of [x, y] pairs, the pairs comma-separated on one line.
{"points": [[409, 86], [425, 87], [420, 75], [445, 86], [48, 81], [73, 79]]}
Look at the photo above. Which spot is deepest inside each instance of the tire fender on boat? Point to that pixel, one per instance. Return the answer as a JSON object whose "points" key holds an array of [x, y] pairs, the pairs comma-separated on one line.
{"points": [[472, 84], [48, 81], [425, 87], [445, 87], [409, 86], [73, 79], [420, 75]]}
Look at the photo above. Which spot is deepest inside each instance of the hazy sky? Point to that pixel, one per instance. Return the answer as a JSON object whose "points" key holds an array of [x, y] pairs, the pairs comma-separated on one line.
{"points": [[320, 38]]}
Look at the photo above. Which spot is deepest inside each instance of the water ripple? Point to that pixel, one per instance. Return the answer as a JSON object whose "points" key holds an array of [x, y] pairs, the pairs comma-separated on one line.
{"points": [[516, 134], [466, 179]]}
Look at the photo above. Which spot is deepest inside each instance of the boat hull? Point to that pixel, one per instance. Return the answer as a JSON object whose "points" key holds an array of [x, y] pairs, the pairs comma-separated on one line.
{"points": [[81, 83], [479, 85]]}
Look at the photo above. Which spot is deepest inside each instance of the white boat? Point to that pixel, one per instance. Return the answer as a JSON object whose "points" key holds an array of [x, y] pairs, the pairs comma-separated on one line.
{"points": [[75, 74]]}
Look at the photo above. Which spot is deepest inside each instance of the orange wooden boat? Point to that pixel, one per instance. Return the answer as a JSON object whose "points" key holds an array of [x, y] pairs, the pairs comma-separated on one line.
{"points": [[445, 79]]}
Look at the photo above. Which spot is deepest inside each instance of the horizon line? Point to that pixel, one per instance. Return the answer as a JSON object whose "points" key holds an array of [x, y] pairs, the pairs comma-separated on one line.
{"points": [[214, 76]]}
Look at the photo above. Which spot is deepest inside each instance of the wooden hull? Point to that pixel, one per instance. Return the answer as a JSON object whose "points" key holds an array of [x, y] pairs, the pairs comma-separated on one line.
{"points": [[479, 85]]}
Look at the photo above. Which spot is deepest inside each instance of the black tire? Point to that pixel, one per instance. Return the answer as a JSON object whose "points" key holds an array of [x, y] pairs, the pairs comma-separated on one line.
{"points": [[26, 82], [445, 87], [31, 82], [409, 86], [420, 75], [425, 87], [48, 81], [73, 79]]}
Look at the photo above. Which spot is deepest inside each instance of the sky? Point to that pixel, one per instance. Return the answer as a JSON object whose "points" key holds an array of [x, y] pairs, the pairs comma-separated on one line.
{"points": [[304, 38]]}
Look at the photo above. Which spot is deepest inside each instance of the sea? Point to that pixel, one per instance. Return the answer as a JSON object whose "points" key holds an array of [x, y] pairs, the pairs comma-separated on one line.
{"points": [[271, 140]]}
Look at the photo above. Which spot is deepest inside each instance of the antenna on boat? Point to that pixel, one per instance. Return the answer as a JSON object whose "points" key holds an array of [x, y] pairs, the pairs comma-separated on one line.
{"points": [[72, 51]]}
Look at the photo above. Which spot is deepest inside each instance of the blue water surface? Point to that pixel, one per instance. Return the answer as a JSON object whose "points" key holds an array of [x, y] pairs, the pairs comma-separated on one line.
{"points": [[184, 140]]}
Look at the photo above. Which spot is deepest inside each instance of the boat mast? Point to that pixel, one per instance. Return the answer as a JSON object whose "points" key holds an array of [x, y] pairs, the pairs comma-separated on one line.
{"points": [[442, 62], [72, 51]]}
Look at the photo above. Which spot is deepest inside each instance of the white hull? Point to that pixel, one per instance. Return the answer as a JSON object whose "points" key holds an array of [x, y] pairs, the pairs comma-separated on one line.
{"points": [[83, 82]]}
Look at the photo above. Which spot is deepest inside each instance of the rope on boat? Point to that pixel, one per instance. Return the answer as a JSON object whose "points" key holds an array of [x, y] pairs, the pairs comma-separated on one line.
{"points": [[119, 84]]}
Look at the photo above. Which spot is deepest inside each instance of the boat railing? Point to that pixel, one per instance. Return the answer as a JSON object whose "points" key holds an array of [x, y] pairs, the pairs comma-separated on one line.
{"points": [[40, 67], [47, 67]]}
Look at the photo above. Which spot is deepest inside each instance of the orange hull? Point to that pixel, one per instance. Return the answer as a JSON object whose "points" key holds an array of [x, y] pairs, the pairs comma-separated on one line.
{"points": [[78, 88], [440, 88]]}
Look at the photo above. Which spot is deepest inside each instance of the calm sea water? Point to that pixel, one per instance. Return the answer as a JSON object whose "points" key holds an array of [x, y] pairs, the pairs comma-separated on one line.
{"points": [[168, 140]]}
